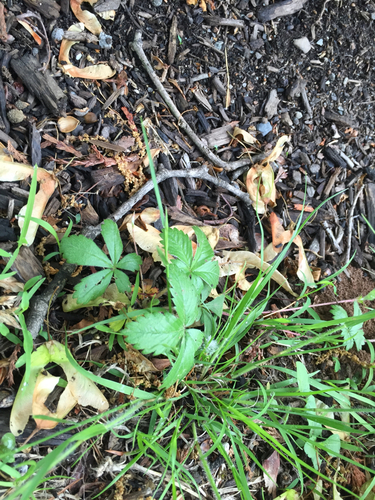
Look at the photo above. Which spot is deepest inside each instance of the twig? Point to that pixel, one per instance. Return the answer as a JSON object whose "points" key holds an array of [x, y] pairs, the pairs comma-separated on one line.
{"points": [[41, 303], [138, 49], [196, 173], [350, 224]]}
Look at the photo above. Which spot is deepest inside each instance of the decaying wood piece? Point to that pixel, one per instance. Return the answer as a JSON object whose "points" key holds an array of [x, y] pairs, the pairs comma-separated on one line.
{"points": [[106, 178], [26, 264], [172, 47], [370, 205], [222, 21], [49, 8], [343, 120], [271, 106], [42, 85], [280, 9]]}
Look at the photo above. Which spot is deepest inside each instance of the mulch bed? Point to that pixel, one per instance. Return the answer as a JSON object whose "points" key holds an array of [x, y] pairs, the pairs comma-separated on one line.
{"points": [[303, 69]]}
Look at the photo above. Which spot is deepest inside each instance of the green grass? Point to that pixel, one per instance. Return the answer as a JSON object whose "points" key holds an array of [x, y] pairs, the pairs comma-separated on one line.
{"points": [[227, 402]]}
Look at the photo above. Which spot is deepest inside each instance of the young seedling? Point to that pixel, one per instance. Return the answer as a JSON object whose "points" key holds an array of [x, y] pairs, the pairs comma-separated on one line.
{"points": [[84, 252]]}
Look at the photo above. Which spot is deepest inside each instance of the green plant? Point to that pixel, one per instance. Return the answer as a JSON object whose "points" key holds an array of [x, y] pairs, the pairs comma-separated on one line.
{"points": [[191, 278], [352, 334], [78, 249]]}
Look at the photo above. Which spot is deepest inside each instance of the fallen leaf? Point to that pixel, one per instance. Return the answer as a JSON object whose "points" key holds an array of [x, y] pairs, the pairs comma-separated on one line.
{"points": [[271, 470], [260, 179], [60, 145], [34, 391], [95, 72], [111, 297], [140, 364], [11, 284], [8, 317], [244, 136], [86, 17], [279, 238], [237, 262], [31, 31]]}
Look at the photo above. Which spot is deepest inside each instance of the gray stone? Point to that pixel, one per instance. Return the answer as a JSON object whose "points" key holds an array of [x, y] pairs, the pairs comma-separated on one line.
{"points": [[157, 3], [297, 176], [320, 42], [219, 45], [298, 115], [264, 128], [310, 191], [57, 34], [15, 116], [314, 168], [105, 41]]}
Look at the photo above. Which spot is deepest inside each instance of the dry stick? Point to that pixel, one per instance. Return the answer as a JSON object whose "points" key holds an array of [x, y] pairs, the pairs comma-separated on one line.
{"points": [[138, 49], [196, 173], [40, 304], [350, 225]]}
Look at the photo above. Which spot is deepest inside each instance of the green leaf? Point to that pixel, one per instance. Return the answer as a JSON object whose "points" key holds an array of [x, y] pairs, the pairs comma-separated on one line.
{"points": [[333, 444], [131, 262], [369, 296], [185, 296], [112, 238], [208, 272], [179, 245], [204, 252], [83, 252], [185, 360], [338, 312], [156, 333], [302, 377], [92, 286], [122, 281], [216, 306]]}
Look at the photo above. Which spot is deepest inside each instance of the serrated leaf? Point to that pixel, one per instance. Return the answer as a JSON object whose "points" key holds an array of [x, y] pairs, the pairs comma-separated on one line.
{"points": [[185, 296], [208, 272], [155, 333], [204, 252], [122, 281], [92, 286], [130, 262], [185, 360], [338, 312], [83, 252], [179, 245], [112, 238]]}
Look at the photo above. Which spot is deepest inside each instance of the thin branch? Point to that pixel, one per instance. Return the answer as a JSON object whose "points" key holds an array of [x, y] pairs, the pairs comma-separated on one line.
{"points": [[137, 46], [350, 224], [197, 173]]}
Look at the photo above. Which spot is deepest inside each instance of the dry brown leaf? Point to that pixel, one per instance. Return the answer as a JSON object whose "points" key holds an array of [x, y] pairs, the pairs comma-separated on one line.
{"points": [[260, 179], [244, 136], [149, 240], [237, 262], [59, 145], [279, 238], [271, 468], [8, 317], [148, 216], [11, 284], [140, 364], [84, 16], [31, 31], [96, 72]]}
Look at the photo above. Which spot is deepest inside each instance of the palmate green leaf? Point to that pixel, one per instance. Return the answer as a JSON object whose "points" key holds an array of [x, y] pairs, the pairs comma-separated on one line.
{"points": [[112, 238], [185, 360], [92, 286], [83, 252], [131, 262], [122, 281], [155, 333], [185, 296], [179, 245]]}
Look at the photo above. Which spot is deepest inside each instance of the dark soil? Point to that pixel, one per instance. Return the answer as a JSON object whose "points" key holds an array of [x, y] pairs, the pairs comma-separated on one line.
{"points": [[326, 104]]}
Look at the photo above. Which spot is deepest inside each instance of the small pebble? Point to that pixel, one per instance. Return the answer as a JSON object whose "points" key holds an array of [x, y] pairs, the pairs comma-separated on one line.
{"points": [[314, 168], [57, 34], [258, 55], [297, 176], [373, 16], [310, 191], [35, 51], [15, 116], [320, 42], [157, 3], [298, 115], [285, 117], [264, 128], [22, 105], [219, 45], [303, 44], [105, 41]]}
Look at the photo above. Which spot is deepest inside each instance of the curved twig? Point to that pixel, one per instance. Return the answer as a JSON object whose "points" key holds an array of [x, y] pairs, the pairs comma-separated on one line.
{"points": [[137, 46]]}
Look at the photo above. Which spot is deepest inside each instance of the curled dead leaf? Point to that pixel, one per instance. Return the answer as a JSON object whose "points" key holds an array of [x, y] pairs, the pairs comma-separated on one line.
{"points": [[260, 179], [31, 31], [244, 136], [279, 238], [84, 16], [96, 72], [237, 262]]}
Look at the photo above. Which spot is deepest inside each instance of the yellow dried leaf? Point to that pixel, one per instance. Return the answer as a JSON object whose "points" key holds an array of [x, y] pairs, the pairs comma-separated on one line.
{"points": [[84, 16], [244, 136], [237, 262]]}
